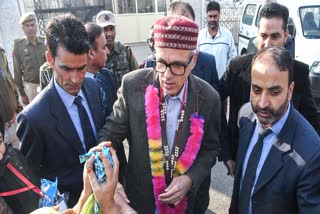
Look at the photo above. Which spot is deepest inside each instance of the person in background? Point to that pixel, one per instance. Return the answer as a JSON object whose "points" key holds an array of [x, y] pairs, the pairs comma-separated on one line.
{"points": [[148, 62], [95, 67], [216, 40], [120, 59], [9, 102], [278, 158], [28, 56], [46, 74], [235, 83]]}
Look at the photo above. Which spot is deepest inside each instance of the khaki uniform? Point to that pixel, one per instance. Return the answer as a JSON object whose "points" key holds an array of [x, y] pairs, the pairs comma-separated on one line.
{"points": [[121, 61], [27, 60], [45, 75], [8, 94], [9, 103]]}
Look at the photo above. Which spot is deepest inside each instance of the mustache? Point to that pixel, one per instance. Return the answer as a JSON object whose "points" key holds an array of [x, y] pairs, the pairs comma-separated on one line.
{"points": [[266, 109]]}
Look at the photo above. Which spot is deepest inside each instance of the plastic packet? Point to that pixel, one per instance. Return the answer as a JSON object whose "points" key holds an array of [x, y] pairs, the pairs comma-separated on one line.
{"points": [[98, 167], [52, 197]]}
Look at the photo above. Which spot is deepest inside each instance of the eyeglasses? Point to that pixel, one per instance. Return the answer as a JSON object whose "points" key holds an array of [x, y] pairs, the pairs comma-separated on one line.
{"points": [[176, 68], [150, 40]]}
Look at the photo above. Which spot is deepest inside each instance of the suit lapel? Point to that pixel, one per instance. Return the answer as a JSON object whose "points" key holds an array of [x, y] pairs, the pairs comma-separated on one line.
{"points": [[64, 123], [93, 103], [190, 109], [244, 140], [274, 160]]}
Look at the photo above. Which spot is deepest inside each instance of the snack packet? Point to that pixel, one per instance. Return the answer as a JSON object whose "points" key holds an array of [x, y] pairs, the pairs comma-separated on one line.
{"points": [[98, 164], [99, 171], [52, 197]]}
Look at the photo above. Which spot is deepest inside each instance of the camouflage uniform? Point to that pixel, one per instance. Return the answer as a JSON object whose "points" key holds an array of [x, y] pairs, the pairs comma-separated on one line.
{"points": [[27, 60], [121, 61], [45, 75]]}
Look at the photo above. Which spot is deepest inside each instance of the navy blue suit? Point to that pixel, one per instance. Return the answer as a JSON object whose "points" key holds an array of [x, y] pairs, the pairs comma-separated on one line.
{"points": [[49, 138], [289, 181], [108, 95]]}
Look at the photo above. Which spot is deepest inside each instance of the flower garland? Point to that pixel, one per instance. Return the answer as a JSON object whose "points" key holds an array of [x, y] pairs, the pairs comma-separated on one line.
{"points": [[155, 150]]}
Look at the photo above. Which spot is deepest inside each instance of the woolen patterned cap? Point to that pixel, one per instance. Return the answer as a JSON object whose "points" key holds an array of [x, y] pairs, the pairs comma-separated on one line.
{"points": [[177, 32]]}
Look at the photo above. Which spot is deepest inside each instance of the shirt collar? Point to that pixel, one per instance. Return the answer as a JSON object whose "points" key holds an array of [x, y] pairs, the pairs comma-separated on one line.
{"points": [[90, 75], [277, 127], [116, 47], [218, 32], [38, 41], [180, 95], [66, 98]]}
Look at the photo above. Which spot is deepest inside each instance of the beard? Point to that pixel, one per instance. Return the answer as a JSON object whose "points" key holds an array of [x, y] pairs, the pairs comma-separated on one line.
{"points": [[213, 25], [273, 114]]}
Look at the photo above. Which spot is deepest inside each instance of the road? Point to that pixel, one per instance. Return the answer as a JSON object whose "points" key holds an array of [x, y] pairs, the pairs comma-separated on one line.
{"points": [[221, 184]]}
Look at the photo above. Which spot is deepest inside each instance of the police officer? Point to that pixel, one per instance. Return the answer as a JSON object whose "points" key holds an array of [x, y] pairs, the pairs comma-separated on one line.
{"points": [[120, 59], [28, 56], [9, 104]]}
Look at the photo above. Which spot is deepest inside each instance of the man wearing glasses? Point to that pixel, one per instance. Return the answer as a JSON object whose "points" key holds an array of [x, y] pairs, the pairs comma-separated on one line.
{"points": [[171, 120]]}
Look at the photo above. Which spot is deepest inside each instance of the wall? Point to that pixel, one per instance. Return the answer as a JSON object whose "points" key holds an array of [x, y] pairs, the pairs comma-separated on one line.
{"points": [[10, 28]]}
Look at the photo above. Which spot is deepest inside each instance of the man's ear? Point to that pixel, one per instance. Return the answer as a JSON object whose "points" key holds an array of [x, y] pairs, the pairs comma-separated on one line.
{"points": [[286, 34], [194, 59], [290, 91], [50, 58], [91, 53]]}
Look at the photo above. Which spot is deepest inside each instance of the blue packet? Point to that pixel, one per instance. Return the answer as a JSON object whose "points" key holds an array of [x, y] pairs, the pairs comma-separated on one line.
{"points": [[49, 190], [98, 166]]}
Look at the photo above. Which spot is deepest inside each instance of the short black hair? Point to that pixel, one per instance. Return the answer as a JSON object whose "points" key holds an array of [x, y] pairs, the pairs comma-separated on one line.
{"points": [[182, 7], [275, 10], [281, 57], [94, 31], [68, 32], [213, 5]]}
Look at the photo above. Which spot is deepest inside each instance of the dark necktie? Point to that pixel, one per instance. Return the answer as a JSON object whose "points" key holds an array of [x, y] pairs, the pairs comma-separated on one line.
{"points": [[250, 174], [87, 130], [102, 93]]}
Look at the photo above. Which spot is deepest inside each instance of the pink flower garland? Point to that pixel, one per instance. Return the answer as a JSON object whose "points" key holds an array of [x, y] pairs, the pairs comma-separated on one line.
{"points": [[155, 149]]}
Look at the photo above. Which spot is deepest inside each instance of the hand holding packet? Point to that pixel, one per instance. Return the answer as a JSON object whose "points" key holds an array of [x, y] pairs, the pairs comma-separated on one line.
{"points": [[98, 164]]}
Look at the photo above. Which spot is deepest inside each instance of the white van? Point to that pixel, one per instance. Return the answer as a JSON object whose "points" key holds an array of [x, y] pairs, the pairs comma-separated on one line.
{"points": [[304, 27]]}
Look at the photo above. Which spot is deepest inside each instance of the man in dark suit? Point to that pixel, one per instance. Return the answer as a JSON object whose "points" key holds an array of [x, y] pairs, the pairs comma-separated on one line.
{"points": [[97, 56], [235, 83], [153, 139], [62, 122], [278, 158]]}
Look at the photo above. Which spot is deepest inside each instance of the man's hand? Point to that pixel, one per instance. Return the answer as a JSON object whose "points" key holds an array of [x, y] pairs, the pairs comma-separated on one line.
{"points": [[120, 191], [230, 164], [122, 201], [176, 190], [25, 99]]}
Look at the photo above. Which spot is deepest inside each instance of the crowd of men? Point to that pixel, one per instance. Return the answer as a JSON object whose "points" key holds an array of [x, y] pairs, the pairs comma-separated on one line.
{"points": [[80, 89]]}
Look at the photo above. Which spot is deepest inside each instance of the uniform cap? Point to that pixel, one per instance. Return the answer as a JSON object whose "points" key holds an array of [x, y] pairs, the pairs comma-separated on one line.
{"points": [[26, 17], [177, 32], [105, 18]]}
